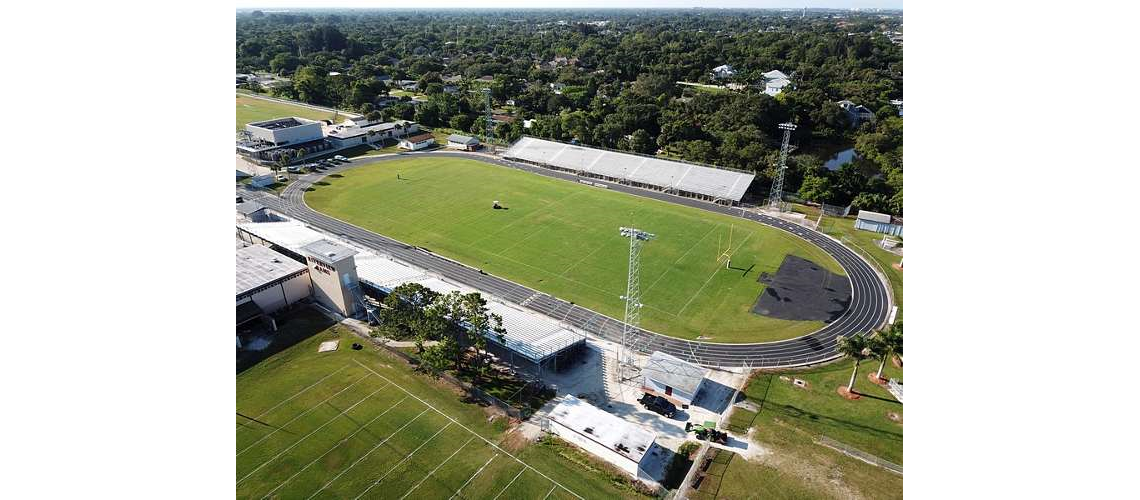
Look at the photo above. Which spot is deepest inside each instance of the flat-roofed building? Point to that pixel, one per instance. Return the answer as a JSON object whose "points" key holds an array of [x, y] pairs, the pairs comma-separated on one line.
{"points": [[268, 281], [603, 434], [333, 272], [267, 140], [672, 378], [877, 222]]}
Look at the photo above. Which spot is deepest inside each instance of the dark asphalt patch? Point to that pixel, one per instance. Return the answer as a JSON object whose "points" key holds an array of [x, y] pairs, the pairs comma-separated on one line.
{"points": [[802, 290]]}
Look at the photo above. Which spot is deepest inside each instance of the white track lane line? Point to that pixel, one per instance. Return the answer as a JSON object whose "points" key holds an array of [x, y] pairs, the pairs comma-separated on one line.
{"points": [[433, 471], [405, 459], [342, 441], [361, 459], [306, 436], [263, 438], [488, 441], [473, 476], [290, 398], [509, 484]]}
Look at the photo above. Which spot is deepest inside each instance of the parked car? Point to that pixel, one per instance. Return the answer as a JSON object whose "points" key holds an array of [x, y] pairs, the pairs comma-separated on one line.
{"points": [[282, 178], [240, 199], [294, 169], [340, 158], [658, 405]]}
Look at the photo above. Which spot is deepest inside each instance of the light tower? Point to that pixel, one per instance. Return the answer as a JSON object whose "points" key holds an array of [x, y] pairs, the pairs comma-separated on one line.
{"points": [[627, 358], [489, 135], [776, 197], [898, 103]]}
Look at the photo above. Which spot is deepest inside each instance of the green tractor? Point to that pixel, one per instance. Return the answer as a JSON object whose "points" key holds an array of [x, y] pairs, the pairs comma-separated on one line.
{"points": [[707, 432]]}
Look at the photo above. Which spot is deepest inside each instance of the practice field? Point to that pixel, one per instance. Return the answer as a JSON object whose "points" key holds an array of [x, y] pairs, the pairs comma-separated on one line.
{"points": [[252, 109], [357, 424], [562, 238]]}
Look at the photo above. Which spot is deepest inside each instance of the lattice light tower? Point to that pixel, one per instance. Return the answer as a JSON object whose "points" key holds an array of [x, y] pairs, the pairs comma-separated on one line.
{"points": [[627, 358], [489, 135], [776, 197]]}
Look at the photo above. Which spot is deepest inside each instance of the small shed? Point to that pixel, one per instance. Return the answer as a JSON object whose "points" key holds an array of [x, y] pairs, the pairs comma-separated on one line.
{"points": [[417, 142], [877, 222], [466, 143], [672, 378]]}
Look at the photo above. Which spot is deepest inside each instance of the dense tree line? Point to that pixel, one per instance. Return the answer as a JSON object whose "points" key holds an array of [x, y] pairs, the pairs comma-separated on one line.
{"points": [[614, 84]]}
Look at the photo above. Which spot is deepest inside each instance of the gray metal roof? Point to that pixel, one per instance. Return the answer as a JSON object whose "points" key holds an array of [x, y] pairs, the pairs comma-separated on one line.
{"points": [[874, 216], [674, 372], [462, 139], [257, 265], [328, 251], [249, 207]]}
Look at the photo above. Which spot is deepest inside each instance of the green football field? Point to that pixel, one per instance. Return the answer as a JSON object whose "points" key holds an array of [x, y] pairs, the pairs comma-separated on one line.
{"points": [[252, 109], [562, 238], [349, 424]]}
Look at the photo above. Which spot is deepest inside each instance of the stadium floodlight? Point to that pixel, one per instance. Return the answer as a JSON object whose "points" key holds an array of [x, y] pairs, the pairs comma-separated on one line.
{"points": [[776, 197], [627, 359]]}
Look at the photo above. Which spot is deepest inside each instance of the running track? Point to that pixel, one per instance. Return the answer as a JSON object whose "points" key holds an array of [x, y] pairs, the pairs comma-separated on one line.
{"points": [[869, 307]]}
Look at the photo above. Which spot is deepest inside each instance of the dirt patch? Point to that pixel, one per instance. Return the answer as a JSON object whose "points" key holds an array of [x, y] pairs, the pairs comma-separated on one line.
{"points": [[842, 390], [897, 361], [515, 440], [894, 417], [874, 378], [897, 266]]}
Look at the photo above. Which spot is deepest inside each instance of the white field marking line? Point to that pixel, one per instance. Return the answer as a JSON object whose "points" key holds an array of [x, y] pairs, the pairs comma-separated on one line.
{"points": [[468, 481], [528, 216], [583, 259], [433, 471], [698, 292], [263, 438], [361, 459], [306, 436], [694, 245], [290, 398], [342, 441], [549, 492], [488, 441], [405, 459], [510, 483]]}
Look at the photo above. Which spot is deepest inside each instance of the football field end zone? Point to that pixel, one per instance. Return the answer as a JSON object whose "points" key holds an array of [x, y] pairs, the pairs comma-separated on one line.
{"points": [[306, 412]]}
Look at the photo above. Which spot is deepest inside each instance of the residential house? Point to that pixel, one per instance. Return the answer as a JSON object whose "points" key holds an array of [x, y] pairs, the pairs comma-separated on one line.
{"points": [[723, 71], [858, 113], [775, 81]]}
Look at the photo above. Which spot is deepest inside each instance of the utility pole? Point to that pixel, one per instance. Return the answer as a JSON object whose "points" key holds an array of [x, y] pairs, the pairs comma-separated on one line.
{"points": [[776, 197], [627, 358]]}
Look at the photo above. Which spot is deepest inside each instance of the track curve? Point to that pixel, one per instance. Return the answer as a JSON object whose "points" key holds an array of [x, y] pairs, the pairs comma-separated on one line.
{"points": [[868, 310]]}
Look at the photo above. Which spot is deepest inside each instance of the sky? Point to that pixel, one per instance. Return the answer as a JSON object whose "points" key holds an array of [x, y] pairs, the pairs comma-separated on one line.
{"points": [[840, 4]]}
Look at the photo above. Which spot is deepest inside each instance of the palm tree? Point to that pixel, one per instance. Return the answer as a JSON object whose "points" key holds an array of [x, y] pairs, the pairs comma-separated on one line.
{"points": [[853, 347], [888, 343]]}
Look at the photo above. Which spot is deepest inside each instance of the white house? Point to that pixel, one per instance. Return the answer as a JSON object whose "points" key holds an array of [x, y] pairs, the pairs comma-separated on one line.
{"points": [[417, 142], [775, 81], [723, 71], [672, 378], [464, 142], [603, 434]]}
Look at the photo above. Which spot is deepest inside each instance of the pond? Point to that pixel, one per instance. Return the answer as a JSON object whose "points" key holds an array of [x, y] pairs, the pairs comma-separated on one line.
{"points": [[841, 158]]}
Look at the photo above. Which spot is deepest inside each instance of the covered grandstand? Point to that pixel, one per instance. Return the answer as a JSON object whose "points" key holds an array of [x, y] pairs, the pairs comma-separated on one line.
{"points": [[531, 339], [720, 185]]}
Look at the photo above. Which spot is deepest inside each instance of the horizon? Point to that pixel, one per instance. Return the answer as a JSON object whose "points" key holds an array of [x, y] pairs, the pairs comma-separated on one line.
{"points": [[587, 5]]}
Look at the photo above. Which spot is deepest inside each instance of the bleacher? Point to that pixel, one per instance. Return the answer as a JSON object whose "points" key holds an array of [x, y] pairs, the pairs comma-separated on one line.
{"points": [[715, 184]]}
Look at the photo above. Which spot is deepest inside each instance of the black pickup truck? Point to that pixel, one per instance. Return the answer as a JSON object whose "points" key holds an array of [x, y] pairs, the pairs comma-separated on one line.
{"points": [[658, 405]]}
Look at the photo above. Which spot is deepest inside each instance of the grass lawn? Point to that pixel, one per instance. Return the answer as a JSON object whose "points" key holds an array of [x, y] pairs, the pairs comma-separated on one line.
{"points": [[342, 423], [562, 238], [252, 109], [791, 418]]}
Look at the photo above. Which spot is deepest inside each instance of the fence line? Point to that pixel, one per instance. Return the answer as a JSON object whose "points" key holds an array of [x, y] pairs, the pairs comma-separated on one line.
{"points": [[861, 455]]}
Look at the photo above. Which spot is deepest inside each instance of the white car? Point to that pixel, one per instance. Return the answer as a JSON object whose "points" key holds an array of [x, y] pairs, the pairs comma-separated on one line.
{"points": [[340, 158], [282, 178]]}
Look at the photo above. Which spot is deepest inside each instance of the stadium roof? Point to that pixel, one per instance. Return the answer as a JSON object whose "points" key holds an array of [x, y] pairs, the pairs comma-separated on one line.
{"points": [[257, 266], [606, 429], [874, 216], [529, 334], [710, 181], [674, 372]]}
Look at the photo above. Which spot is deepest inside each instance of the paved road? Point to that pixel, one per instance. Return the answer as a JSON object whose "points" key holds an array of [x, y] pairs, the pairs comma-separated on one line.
{"points": [[868, 309]]}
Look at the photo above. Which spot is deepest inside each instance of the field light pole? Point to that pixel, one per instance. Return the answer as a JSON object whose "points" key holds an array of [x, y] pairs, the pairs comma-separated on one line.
{"points": [[627, 358], [776, 197]]}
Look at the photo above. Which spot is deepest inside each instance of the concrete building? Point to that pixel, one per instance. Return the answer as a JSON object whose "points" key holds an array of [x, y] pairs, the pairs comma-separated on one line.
{"points": [[333, 272], [417, 142], [605, 435], [264, 140], [464, 142], [355, 132], [268, 281], [672, 378], [252, 211], [877, 222]]}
